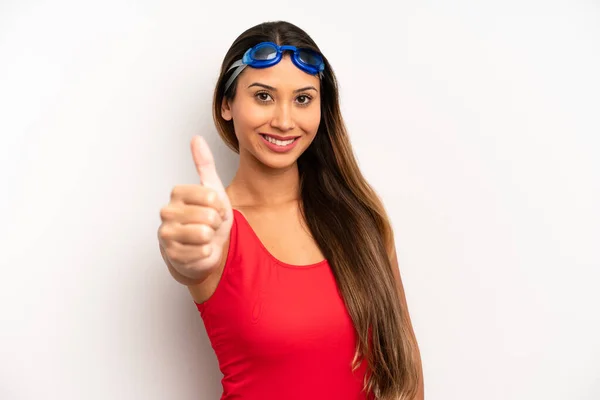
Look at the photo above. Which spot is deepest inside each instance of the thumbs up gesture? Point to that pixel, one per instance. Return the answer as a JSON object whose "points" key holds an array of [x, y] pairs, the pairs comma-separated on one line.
{"points": [[197, 221]]}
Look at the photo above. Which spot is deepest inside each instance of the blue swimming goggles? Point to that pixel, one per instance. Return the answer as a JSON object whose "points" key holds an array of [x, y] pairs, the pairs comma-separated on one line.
{"points": [[267, 54]]}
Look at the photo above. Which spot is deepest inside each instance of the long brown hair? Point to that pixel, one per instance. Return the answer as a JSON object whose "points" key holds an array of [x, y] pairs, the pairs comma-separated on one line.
{"points": [[349, 224]]}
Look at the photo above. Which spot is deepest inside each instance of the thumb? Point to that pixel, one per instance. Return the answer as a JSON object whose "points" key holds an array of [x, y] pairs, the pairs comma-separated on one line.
{"points": [[205, 164]]}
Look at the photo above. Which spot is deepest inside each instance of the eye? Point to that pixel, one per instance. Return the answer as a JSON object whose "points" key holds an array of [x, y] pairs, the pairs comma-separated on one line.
{"points": [[303, 99], [263, 97]]}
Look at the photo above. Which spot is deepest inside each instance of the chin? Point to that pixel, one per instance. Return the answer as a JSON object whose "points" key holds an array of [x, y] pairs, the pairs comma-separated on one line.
{"points": [[278, 161]]}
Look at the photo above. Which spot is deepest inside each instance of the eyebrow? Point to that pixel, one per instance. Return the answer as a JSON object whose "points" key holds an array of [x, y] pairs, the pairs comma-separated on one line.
{"points": [[274, 89]]}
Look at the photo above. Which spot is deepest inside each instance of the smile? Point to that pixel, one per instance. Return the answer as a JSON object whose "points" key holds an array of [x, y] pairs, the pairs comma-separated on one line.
{"points": [[279, 144]]}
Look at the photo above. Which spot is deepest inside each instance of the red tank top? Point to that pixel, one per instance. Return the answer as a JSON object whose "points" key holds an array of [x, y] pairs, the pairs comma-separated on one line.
{"points": [[279, 331]]}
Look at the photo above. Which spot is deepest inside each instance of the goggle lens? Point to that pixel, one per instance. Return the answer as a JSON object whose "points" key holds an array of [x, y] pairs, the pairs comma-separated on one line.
{"points": [[264, 53], [310, 58]]}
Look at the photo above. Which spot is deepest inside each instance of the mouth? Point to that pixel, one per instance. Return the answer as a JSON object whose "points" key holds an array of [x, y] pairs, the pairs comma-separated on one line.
{"points": [[280, 144], [281, 141]]}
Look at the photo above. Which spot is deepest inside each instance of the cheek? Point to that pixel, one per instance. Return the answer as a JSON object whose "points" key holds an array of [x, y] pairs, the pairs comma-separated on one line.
{"points": [[310, 121], [248, 116]]}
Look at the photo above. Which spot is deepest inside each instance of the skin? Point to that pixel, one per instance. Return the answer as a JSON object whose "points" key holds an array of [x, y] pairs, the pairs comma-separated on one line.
{"points": [[280, 100]]}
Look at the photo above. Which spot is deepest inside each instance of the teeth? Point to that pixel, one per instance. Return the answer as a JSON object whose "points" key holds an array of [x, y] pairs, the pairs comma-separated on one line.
{"points": [[278, 142]]}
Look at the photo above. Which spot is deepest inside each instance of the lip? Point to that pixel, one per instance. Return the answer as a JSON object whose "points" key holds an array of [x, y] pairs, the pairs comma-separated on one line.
{"points": [[277, 148], [279, 137]]}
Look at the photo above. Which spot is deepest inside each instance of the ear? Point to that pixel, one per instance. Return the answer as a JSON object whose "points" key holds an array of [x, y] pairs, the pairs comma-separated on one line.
{"points": [[226, 109]]}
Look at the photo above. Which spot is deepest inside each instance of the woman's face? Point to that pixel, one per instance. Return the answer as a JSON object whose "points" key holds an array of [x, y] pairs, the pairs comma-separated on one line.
{"points": [[276, 113]]}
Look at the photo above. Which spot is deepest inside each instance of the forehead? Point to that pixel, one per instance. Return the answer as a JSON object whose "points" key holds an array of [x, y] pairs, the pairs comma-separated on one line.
{"points": [[281, 75]]}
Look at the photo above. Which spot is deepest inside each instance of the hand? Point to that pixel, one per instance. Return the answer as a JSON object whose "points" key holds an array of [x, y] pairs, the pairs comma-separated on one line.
{"points": [[197, 221]]}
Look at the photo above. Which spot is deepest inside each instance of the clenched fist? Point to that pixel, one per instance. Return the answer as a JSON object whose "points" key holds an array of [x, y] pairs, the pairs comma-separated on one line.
{"points": [[197, 221]]}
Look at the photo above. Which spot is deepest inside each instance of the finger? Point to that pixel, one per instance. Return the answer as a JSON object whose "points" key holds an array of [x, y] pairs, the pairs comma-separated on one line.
{"points": [[196, 195], [205, 164], [187, 254], [192, 234], [190, 214]]}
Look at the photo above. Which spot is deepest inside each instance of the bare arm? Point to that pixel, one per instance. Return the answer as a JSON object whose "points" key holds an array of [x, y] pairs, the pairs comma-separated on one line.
{"points": [[203, 288]]}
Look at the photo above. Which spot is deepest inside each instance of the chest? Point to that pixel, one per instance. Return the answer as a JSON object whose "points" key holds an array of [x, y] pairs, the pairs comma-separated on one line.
{"points": [[291, 311], [286, 236]]}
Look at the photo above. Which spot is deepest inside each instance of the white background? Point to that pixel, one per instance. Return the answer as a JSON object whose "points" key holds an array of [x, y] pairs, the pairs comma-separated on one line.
{"points": [[476, 121]]}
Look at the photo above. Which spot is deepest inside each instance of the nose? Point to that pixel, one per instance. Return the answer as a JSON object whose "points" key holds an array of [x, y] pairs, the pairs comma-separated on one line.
{"points": [[283, 118]]}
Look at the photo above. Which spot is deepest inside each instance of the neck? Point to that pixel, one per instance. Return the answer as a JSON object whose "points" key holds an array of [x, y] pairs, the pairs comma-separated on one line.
{"points": [[258, 185]]}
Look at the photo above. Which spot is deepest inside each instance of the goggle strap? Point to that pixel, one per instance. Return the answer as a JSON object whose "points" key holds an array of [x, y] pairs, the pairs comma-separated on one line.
{"points": [[235, 64], [240, 67]]}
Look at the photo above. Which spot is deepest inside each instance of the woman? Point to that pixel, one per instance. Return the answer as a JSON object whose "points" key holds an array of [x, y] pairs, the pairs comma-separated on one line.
{"points": [[293, 266]]}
